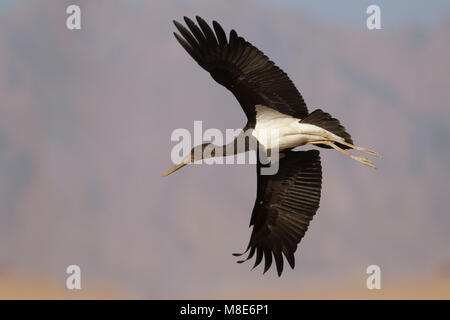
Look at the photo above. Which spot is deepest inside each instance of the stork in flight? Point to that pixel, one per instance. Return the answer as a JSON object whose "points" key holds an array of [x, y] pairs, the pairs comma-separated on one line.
{"points": [[286, 201]]}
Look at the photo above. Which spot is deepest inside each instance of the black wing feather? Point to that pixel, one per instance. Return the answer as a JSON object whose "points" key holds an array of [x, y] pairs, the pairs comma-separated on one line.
{"points": [[221, 36], [241, 68], [209, 34], [285, 204]]}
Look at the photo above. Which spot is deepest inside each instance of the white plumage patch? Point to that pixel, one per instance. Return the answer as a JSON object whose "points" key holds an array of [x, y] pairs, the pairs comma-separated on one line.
{"points": [[274, 129]]}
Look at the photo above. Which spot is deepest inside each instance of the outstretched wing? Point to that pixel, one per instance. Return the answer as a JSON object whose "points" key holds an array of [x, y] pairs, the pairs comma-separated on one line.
{"points": [[241, 68], [285, 204]]}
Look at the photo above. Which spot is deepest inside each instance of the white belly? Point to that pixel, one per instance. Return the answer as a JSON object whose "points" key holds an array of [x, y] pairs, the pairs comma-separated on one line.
{"points": [[276, 130]]}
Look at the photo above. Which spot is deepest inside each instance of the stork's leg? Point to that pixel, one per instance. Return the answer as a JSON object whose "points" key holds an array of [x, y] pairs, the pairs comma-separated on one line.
{"points": [[362, 160], [330, 137]]}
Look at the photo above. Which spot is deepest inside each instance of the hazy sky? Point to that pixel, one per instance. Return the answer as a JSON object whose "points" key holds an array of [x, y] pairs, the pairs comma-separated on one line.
{"points": [[85, 126], [398, 11], [394, 12]]}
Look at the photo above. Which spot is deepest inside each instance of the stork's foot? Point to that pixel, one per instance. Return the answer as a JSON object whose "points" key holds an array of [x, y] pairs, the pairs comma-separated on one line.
{"points": [[330, 138], [362, 160], [361, 149], [369, 151]]}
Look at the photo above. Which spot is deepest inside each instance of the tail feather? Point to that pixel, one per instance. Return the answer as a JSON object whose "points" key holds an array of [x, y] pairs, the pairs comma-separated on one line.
{"points": [[327, 122]]}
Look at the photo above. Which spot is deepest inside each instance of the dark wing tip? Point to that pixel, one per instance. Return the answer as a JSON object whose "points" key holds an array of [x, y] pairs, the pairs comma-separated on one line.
{"points": [[198, 18], [259, 256], [208, 33], [278, 261], [177, 36], [267, 260], [221, 36], [178, 25], [182, 41], [266, 254], [290, 258], [188, 20]]}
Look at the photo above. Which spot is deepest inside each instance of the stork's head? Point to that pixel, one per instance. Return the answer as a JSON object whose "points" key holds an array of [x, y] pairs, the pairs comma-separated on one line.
{"points": [[197, 153]]}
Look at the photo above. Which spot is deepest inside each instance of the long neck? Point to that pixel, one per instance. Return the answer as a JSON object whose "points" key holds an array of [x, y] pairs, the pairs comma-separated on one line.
{"points": [[242, 143]]}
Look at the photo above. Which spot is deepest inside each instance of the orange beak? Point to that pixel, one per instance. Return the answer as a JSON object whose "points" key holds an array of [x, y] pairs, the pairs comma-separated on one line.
{"points": [[175, 168], [180, 165]]}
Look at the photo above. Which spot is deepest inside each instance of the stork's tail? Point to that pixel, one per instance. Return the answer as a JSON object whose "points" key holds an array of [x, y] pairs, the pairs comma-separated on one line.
{"points": [[327, 122]]}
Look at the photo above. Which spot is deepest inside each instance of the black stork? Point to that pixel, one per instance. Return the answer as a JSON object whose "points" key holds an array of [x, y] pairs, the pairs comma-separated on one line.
{"points": [[286, 201]]}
